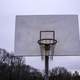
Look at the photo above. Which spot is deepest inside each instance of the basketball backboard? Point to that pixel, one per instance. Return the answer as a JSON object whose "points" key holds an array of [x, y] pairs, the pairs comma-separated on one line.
{"points": [[27, 33]]}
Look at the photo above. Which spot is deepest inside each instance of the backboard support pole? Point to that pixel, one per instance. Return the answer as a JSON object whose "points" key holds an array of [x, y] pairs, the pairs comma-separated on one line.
{"points": [[46, 67]]}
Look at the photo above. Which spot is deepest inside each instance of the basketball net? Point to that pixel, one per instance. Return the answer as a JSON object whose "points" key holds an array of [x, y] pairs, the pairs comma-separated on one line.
{"points": [[47, 49]]}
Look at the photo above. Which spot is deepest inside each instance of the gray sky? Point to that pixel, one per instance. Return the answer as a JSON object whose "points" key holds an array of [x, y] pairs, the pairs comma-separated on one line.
{"points": [[10, 8]]}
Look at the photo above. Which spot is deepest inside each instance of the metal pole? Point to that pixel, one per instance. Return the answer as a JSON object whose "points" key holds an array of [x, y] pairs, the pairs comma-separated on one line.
{"points": [[46, 67]]}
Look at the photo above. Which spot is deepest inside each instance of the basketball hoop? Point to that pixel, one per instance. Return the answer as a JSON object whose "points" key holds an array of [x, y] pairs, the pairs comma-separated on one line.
{"points": [[47, 43], [47, 47]]}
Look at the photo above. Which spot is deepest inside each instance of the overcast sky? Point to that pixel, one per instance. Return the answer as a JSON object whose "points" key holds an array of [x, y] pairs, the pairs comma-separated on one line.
{"points": [[10, 8]]}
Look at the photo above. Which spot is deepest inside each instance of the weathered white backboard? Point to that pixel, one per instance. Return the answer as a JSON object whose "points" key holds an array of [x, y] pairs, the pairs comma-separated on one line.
{"points": [[27, 33]]}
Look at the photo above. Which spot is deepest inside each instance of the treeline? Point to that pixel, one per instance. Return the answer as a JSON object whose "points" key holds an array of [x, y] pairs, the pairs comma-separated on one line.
{"points": [[14, 68], [60, 73]]}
